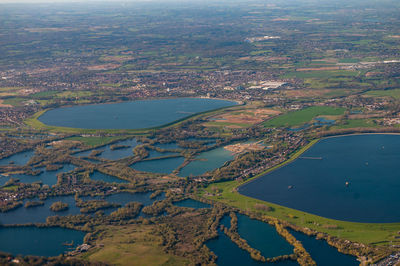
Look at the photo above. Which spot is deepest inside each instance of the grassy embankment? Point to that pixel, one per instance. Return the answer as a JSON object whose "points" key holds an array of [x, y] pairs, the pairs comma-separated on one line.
{"points": [[367, 233]]}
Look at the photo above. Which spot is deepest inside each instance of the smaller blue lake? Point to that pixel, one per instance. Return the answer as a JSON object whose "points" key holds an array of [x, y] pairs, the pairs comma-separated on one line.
{"points": [[190, 203], [226, 221], [98, 176], [321, 121], [46, 241], [297, 129], [229, 254], [322, 253], [207, 161], [119, 153], [263, 237], [21, 158], [165, 166], [46, 177], [83, 153]]}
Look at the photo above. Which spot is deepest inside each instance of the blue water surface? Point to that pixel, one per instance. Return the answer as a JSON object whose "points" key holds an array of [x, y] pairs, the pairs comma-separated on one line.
{"points": [[130, 115], [352, 178], [45, 241]]}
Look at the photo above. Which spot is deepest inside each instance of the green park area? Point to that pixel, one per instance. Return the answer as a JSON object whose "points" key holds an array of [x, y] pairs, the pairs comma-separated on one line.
{"points": [[295, 118]]}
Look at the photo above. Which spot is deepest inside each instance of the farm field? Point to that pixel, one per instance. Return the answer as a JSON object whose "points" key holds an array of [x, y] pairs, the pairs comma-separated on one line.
{"points": [[295, 118]]}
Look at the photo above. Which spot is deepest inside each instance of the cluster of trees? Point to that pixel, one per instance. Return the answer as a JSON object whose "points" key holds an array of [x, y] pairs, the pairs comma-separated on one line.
{"points": [[156, 194], [157, 208], [303, 257], [95, 153], [140, 151], [117, 147], [30, 204], [130, 211], [8, 206], [94, 205], [70, 221], [185, 232], [59, 206], [53, 167]]}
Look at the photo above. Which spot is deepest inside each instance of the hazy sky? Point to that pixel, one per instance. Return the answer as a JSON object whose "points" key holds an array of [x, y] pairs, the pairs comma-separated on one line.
{"points": [[75, 1]]}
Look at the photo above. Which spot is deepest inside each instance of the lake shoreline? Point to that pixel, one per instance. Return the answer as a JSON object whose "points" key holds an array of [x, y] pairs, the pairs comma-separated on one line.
{"points": [[348, 189], [35, 122]]}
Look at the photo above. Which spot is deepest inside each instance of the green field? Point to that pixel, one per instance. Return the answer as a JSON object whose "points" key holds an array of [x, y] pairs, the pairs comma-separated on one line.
{"points": [[356, 123], [384, 93], [223, 124], [131, 245], [93, 141], [321, 74], [300, 117], [15, 101]]}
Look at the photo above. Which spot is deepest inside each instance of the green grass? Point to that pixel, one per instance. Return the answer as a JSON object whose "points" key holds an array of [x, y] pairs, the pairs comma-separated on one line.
{"points": [[61, 94], [339, 92], [395, 93], [131, 245], [319, 84], [321, 74], [349, 60], [93, 141], [9, 89], [355, 123], [223, 124], [11, 188], [300, 117], [367, 233], [15, 101], [45, 94]]}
